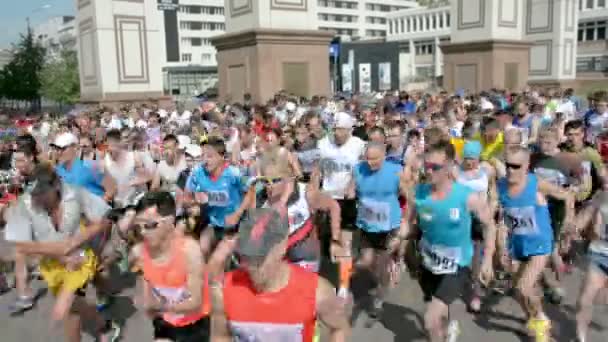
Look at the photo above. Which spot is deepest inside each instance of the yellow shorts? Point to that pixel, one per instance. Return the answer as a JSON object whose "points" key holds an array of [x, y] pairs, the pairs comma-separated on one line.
{"points": [[59, 278]]}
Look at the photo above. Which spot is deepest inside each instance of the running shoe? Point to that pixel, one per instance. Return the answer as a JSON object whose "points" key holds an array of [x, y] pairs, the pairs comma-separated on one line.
{"points": [[374, 313], [541, 329], [453, 331], [556, 295], [21, 305], [110, 332], [102, 303]]}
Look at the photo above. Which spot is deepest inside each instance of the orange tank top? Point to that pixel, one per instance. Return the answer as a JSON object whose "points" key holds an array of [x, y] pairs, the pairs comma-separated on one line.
{"points": [[170, 281], [286, 315]]}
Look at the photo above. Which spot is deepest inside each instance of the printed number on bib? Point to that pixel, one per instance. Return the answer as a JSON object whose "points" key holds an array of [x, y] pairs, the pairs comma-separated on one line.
{"points": [[440, 259], [521, 221], [375, 213], [218, 198], [172, 296]]}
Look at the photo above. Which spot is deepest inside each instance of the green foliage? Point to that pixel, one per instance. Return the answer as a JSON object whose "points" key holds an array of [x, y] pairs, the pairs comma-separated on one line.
{"points": [[59, 79], [20, 79]]}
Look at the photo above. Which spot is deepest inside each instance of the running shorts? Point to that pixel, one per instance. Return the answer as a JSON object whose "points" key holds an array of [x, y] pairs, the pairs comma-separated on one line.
{"points": [[445, 287], [58, 278], [598, 260], [198, 331], [376, 241]]}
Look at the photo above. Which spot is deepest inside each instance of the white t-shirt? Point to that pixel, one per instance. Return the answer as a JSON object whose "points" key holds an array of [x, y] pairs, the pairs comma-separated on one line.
{"points": [[337, 163]]}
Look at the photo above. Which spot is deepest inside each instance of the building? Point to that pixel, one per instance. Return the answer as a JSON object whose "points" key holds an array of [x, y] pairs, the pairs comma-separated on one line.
{"points": [[358, 19], [592, 57], [422, 30], [57, 34]]}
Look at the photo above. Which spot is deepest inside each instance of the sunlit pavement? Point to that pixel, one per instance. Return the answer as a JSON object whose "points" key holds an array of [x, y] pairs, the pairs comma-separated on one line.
{"points": [[502, 319]]}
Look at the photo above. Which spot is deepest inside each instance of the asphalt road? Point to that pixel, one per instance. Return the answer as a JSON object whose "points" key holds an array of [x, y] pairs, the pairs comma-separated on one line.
{"points": [[501, 321]]}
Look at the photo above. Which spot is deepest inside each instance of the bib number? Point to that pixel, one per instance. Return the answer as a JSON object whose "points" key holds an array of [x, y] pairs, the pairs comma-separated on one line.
{"points": [[374, 213], [521, 221], [218, 198], [440, 259]]}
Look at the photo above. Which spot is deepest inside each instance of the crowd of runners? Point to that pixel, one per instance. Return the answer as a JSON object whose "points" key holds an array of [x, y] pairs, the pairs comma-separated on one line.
{"points": [[227, 212]]}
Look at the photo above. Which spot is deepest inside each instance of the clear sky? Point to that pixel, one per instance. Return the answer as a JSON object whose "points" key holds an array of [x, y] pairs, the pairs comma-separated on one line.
{"points": [[13, 17]]}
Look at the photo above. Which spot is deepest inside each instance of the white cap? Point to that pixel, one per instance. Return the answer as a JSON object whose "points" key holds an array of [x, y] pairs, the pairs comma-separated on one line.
{"points": [[183, 141], [194, 150], [343, 120], [64, 140], [290, 106]]}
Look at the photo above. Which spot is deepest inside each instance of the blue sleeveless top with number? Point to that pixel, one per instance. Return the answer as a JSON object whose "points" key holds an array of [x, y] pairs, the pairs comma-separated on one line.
{"points": [[225, 193], [446, 229], [528, 222], [378, 208]]}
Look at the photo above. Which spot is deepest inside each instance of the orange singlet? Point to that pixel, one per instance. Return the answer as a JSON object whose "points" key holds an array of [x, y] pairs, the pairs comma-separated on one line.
{"points": [[170, 281], [286, 315]]}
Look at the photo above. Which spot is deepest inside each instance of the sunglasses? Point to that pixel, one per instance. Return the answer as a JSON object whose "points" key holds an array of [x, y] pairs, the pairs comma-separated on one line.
{"points": [[270, 180], [433, 166], [148, 226], [513, 166]]}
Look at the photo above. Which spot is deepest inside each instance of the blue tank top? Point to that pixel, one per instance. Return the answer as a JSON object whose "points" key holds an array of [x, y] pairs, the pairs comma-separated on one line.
{"points": [[225, 193], [446, 229], [377, 192], [528, 222]]}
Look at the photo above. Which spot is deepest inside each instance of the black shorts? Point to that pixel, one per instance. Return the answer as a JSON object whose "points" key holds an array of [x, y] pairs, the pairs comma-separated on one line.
{"points": [[476, 229], [199, 331], [445, 287], [376, 241], [348, 213]]}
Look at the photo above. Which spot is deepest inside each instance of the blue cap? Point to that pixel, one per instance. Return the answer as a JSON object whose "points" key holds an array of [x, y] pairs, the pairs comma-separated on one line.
{"points": [[472, 149]]}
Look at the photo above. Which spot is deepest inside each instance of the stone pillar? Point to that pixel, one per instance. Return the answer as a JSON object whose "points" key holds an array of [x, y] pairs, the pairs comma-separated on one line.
{"points": [[271, 48], [120, 51], [437, 58], [486, 48], [413, 57]]}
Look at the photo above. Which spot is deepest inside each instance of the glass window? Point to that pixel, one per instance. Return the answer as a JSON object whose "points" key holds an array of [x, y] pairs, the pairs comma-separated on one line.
{"points": [[590, 4], [601, 33], [196, 41], [601, 3], [186, 57], [589, 34], [581, 34]]}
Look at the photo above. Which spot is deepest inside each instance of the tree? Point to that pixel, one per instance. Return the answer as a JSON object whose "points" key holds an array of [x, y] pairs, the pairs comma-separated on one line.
{"points": [[59, 78], [21, 79]]}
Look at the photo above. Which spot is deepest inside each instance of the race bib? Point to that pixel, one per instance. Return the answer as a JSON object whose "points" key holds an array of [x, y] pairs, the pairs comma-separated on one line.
{"points": [[440, 259], [521, 221], [587, 168], [525, 133], [551, 175], [330, 167], [172, 296], [266, 332], [375, 213], [218, 198]]}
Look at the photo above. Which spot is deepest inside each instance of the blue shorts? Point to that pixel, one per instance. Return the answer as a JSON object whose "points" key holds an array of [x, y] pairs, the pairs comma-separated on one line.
{"points": [[599, 262], [524, 250]]}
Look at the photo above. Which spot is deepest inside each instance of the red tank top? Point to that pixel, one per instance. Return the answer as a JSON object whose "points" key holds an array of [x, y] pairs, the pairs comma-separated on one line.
{"points": [[286, 315], [170, 281]]}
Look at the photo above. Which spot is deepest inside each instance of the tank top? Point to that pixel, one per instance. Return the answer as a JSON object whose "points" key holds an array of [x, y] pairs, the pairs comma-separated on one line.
{"points": [[257, 317], [122, 175], [528, 222], [446, 229], [378, 209], [170, 173], [525, 127], [477, 182], [170, 281], [337, 163]]}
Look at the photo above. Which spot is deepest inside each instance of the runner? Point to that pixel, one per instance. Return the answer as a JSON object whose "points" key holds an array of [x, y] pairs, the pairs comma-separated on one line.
{"points": [[46, 222], [306, 150], [443, 209], [174, 274], [596, 278], [376, 185], [480, 178], [169, 168], [523, 199], [269, 299], [339, 154]]}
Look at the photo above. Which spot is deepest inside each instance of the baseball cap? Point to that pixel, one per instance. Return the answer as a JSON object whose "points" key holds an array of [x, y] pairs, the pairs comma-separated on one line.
{"points": [[471, 149], [343, 120], [194, 150], [261, 229], [64, 140]]}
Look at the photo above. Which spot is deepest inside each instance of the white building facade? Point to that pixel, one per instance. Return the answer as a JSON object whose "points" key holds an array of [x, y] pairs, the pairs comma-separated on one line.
{"points": [[57, 34], [358, 19], [592, 57]]}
